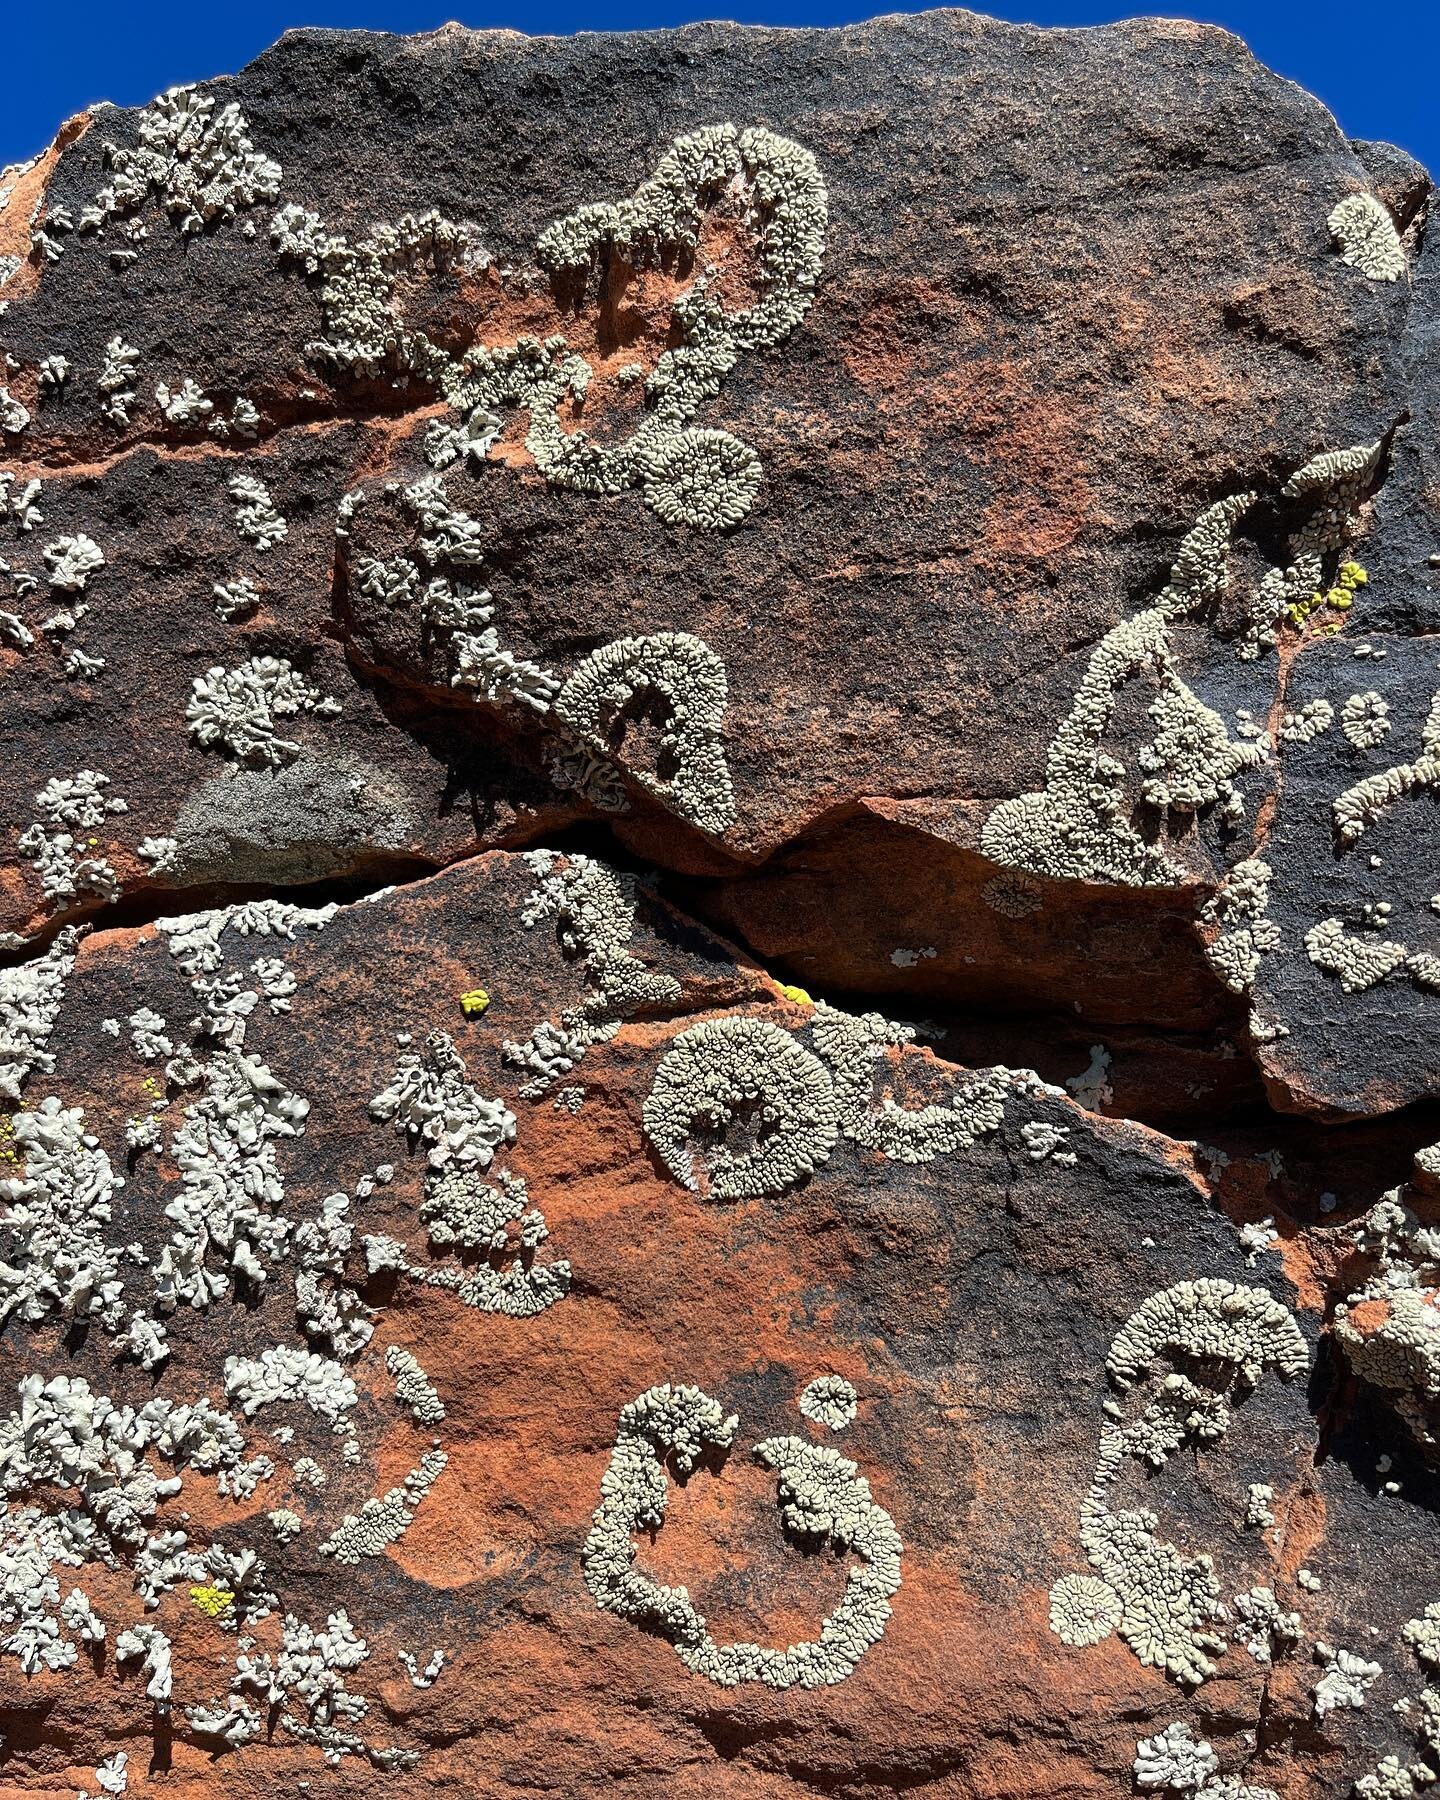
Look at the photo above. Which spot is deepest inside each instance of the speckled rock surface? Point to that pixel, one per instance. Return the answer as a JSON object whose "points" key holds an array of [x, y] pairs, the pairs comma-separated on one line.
{"points": [[513, 555]]}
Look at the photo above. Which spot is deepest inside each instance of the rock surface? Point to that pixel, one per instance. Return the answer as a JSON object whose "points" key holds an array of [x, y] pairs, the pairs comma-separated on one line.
{"points": [[949, 507]]}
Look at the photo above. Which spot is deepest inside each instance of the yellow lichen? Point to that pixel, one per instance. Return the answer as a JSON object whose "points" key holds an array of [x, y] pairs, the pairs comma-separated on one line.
{"points": [[212, 1601], [474, 1003], [797, 994], [1340, 598]]}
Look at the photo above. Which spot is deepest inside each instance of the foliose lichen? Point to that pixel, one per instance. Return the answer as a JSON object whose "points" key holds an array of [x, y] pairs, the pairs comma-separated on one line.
{"points": [[824, 1502]]}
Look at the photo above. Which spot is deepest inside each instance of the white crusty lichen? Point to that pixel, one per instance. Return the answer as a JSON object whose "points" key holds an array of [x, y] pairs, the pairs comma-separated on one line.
{"points": [[71, 561], [18, 504], [1079, 826], [235, 599], [1367, 801], [680, 677], [1266, 1629], [1307, 722], [748, 1077], [1393, 1780], [702, 478], [1244, 933], [436, 579], [426, 1677], [67, 1440], [432, 1102], [237, 708], [1363, 228], [413, 1387], [1045, 1142], [1165, 1605], [383, 1521], [1364, 962], [1422, 1634], [197, 158], [1100, 819], [1084, 1610], [670, 677], [301, 1691], [285, 1373], [830, 1400], [1365, 720], [1345, 1681], [256, 518], [58, 1262], [593, 910], [429, 1099], [14, 417], [1211, 1320], [1389, 1324], [31, 994], [705, 479], [185, 404], [117, 380], [59, 845], [1174, 1759], [857, 1049], [364, 332], [824, 1502]]}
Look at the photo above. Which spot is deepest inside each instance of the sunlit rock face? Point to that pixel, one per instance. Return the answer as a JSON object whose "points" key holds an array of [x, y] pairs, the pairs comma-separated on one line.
{"points": [[721, 962]]}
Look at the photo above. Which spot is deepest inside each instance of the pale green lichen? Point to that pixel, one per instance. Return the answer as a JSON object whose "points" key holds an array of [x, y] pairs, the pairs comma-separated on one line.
{"points": [[1367, 237]]}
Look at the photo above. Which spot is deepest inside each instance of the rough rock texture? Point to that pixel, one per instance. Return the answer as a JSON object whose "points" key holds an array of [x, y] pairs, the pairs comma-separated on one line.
{"points": [[940, 512]]}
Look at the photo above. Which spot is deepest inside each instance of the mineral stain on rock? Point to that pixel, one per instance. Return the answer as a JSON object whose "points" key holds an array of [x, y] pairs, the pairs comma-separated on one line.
{"points": [[719, 943]]}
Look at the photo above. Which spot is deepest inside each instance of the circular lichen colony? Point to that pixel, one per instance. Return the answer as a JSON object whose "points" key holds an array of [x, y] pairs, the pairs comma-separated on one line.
{"points": [[824, 1503], [703, 478], [730, 1070]]}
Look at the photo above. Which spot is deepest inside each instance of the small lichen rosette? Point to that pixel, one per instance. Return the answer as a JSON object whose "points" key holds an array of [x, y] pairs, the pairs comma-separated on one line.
{"points": [[824, 1503]]}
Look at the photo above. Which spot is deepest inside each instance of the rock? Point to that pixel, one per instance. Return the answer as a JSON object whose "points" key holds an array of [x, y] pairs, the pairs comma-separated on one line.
{"points": [[969, 1296], [552, 591]]}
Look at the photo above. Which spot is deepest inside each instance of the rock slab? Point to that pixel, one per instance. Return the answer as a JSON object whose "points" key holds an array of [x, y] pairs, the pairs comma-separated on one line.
{"points": [[549, 589]]}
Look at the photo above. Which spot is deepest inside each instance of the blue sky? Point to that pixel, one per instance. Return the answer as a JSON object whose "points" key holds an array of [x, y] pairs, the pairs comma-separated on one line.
{"points": [[1375, 63]]}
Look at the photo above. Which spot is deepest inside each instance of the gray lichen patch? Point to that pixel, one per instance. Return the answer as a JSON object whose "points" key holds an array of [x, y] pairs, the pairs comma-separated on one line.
{"points": [[198, 160], [1101, 818], [237, 709], [830, 1400], [307, 820], [732, 1071], [687, 680], [593, 909]]}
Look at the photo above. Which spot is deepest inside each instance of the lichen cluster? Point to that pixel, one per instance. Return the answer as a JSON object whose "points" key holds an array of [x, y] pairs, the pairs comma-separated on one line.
{"points": [[1389, 1323], [702, 478], [1099, 818], [1368, 240], [670, 676], [749, 1078], [1167, 1606]]}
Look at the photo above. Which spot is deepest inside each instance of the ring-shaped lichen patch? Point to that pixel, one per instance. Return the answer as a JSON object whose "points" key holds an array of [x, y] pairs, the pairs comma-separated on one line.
{"points": [[739, 1071]]}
